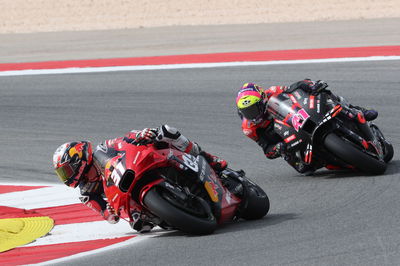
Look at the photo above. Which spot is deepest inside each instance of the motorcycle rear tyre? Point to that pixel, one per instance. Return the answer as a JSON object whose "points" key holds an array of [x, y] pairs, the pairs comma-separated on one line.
{"points": [[355, 157], [176, 217]]}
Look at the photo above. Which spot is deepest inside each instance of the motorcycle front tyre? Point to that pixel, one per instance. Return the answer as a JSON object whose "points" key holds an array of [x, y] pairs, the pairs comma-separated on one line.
{"points": [[257, 203], [353, 156], [176, 217]]}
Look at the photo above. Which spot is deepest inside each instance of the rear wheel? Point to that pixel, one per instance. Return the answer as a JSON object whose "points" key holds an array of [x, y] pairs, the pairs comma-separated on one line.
{"points": [[190, 216], [354, 156]]}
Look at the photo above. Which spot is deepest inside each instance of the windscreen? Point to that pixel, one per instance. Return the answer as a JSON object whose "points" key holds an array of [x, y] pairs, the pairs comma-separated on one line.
{"points": [[280, 108]]}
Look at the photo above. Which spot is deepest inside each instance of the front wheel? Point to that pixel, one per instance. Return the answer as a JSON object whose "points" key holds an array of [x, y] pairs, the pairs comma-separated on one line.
{"points": [[387, 147], [353, 156], [189, 216], [256, 203], [389, 152]]}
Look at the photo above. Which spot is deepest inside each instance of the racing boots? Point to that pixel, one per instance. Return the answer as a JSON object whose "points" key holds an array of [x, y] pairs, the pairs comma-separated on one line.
{"points": [[219, 165], [369, 114], [216, 163], [140, 222]]}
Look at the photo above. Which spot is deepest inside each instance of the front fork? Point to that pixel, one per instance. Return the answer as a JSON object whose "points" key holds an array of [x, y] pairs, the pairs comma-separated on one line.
{"points": [[370, 142]]}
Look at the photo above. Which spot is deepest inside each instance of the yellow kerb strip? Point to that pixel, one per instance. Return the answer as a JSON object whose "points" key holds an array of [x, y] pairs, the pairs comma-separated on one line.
{"points": [[21, 231]]}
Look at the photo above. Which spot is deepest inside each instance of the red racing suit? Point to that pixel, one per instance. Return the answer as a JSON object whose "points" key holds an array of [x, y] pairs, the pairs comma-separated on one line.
{"points": [[263, 132], [105, 159]]}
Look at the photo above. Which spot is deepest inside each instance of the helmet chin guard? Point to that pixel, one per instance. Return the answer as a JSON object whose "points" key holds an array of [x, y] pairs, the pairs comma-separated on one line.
{"points": [[250, 102], [71, 161]]}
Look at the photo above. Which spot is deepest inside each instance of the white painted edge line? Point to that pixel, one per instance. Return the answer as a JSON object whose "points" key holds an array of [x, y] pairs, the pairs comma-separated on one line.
{"points": [[73, 232], [78, 232], [33, 184], [131, 241], [51, 196], [188, 66]]}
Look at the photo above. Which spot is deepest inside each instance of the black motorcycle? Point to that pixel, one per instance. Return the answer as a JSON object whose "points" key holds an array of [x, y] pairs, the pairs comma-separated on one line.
{"points": [[323, 131]]}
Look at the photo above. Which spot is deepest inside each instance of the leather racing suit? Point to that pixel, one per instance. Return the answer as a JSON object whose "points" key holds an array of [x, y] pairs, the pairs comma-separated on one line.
{"points": [[106, 157], [263, 132]]}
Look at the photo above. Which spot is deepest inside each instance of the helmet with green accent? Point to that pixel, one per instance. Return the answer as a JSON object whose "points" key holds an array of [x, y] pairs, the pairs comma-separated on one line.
{"points": [[72, 161], [250, 102]]}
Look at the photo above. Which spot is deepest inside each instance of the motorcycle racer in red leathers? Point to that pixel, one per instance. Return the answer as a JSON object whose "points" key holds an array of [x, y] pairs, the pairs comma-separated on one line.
{"points": [[257, 124], [77, 164]]}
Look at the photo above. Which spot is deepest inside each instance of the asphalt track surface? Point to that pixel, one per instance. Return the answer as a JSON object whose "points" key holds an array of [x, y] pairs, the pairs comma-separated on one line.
{"points": [[331, 218], [197, 39]]}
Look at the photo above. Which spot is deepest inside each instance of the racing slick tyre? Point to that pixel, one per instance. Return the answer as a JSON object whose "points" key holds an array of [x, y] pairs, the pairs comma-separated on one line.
{"points": [[389, 152], [256, 203], [353, 156], [388, 147], [189, 216]]}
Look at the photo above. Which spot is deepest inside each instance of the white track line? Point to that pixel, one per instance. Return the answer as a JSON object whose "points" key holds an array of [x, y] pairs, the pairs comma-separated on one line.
{"points": [[41, 197], [84, 231], [59, 195], [111, 247], [186, 66]]}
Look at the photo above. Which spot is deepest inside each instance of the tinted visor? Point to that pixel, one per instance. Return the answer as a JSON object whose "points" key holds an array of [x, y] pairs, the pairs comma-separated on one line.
{"points": [[253, 112], [65, 172]]}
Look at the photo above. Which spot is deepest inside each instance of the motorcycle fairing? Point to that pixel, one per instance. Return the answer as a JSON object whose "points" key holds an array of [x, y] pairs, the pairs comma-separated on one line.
{"points": [[127, 170], [136, 169], [222, 201], [298, 115]]}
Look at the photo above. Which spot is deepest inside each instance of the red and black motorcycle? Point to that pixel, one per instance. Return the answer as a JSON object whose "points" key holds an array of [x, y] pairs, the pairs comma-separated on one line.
{"points": [[179, 190], [323, 131]]}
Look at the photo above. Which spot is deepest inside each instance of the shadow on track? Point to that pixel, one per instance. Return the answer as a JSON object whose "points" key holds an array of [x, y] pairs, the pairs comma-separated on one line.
{"points": [[392, 168], [332, 174], [242, 225]]}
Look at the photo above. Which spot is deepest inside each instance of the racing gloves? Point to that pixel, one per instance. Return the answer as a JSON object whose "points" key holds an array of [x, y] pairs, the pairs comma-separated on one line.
{"points": [[166, 134], [175, 138], [319, 86], [279, 150], [275, 151], [172, 136], [146, 136], [314, 87]]}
